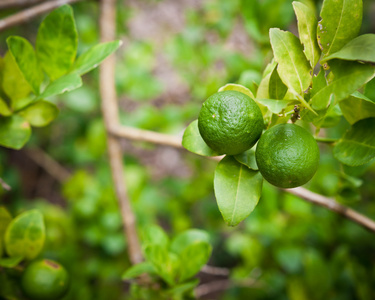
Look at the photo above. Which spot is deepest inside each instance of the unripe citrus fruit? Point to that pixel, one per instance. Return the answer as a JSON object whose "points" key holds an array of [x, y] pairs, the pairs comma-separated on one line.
{"points": [[44, 279], [287, 155], [230, 122]]}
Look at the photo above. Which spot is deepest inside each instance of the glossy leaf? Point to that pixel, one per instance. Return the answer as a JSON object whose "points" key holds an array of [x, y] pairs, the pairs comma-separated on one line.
{"points": [[307, 24], [193, 258], [14, 132], [357, 146], [237, 190], [361, 48], [247, 158], [56, 42], [340, 22], [13, 82], [276, 106], [348, 77], [94, 56], [293, 67], [40, 113], [357, 107], [318, 82], [62, 85], [238, 88], [187, 238], [4, 108], [276, 89], [10, 262], [192, 141], [137, 270], [25, 235], [25, 58]]}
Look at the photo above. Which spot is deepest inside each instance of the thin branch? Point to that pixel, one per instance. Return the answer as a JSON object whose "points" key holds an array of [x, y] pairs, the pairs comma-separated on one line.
{"points": [[17, 3], [111, 119], [215, 270], [27, 14], [51, 166], [174, 141], [5, 185]]}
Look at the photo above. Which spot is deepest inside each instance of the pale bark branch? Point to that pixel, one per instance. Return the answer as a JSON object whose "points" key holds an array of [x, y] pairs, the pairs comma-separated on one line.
{"points": [[18, 3], [32, 12], [217, 271], [174, 141], [111, 119], [5, 185]]}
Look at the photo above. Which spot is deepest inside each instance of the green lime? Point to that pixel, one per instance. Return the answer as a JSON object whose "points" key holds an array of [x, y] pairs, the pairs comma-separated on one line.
{"points": [[287, 155], [230, 122], [44, 279]]}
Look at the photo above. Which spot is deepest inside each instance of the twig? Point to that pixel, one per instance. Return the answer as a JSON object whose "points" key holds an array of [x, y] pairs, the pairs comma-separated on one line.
{"points": [[51, 166], [111, 119], [5, 185], [303, 193], [215, 270], [17, 3], [27, 14], [212, 287]]}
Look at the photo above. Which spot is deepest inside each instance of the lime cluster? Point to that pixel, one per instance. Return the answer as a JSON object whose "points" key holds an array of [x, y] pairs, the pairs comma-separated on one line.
{"points": [[230, 122]]}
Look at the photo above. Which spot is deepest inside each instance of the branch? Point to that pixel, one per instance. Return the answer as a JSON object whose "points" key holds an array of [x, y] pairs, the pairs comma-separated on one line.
{"points": [[216, 271], [174, 141], [17, 3], [4, 185], [27, 14], [111, 119]]}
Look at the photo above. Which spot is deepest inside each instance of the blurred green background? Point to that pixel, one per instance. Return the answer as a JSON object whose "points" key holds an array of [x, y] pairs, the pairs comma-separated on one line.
{"points": [[175, 54]]}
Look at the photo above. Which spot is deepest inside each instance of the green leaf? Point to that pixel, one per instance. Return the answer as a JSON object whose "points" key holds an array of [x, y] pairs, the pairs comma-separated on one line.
{"points": [[137, 270], [318, 82], [180, 289], [13, 82], [357, 146], [238, 88], [193, 141], [276, 106], [4, 109], [357, 107], [94, 56], [14, 132], [307, 24], [193, 258], [247, 158], [155, 235], [62, 85], [237, 190], [293, 67], [40, 113], [10, 262], [361, 48], [25, 235], [5, 219], [187, 238], [56, 42], [340, 23], [24, 55], [165, 263], [348, 77], [276, 89]]}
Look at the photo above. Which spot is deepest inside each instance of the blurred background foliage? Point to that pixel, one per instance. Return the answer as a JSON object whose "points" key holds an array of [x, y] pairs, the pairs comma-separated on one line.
{"points": [[176, 54]]}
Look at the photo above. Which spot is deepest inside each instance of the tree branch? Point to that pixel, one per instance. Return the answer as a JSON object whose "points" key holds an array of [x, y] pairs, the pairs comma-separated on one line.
{"points": [[174, 141], [109, 108], [27, 14], [4, 185], [17, 3]]}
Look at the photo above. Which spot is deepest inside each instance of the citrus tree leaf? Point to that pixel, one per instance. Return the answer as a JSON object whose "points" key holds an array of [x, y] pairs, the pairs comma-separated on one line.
{"points": [[25, 58], [276, 88], [62, 85], [247, 158], [357, 107], [10, 262], [56, 42], [193, 258], [192, 141], [293, 67], [40, 113], [237, 190], [348, 77], [187, 238], [5, 219], [307, 24], [166, 264], [137, 270], [340, 22], [178, 290], [361, 48], [94, 56], [318, 82], [276, 106], [14, 132], [25, 235], [238, 88], [13, 82], [357, 146], [4, 108], [154, 235]]}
